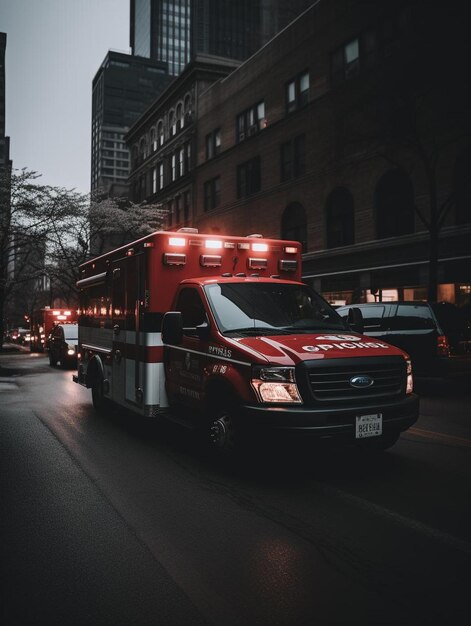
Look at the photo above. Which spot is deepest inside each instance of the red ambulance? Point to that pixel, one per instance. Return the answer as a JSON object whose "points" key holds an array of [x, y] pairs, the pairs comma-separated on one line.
{"points": [[220, 333], [43, 321]]}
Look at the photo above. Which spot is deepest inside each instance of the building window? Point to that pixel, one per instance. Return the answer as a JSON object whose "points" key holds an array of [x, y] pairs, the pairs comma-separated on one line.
{"points": [[154, 180], [294, 225], [250, 122], [213, 143], [160, 134], [142, 149], [212, 193], [174, 167], [153, 140], [186, 206], [180, 120], [293, 158], [187, 157], [249, 177], [348, 60], [187, 109], [340, 218], [297, 92], [160, 168], [394, 205], [173, 123]]}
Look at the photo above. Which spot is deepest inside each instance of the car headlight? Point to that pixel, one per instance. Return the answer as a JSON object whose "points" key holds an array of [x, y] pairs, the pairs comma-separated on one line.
{"points": [[410, 379], [276, 385], [70, 350]]}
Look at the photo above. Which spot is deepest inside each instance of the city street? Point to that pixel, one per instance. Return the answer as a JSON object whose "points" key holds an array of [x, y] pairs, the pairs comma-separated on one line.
{"points": [[119, 520]]}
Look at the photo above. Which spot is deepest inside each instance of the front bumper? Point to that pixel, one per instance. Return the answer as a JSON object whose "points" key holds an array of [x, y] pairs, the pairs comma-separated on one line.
{"points": [[338, 422]]}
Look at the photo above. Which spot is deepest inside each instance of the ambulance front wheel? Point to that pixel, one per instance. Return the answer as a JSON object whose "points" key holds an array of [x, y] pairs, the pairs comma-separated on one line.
{"points": [[223, 434]]}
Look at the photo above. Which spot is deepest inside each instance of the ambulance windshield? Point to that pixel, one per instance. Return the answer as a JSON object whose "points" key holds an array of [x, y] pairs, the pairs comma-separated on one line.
{"points": [[270, 308]]}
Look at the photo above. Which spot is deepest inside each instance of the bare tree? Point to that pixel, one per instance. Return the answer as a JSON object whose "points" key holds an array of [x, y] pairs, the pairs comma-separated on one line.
{"points": [[46, 233], [28, 210]]}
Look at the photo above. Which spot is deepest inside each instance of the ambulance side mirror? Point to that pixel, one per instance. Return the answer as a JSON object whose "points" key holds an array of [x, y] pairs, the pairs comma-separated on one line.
{"points": [[172, 328], [355, 320]]}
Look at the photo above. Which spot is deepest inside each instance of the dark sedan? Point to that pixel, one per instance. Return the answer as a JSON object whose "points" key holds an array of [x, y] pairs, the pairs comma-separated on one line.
{"points": [[437, 336]]}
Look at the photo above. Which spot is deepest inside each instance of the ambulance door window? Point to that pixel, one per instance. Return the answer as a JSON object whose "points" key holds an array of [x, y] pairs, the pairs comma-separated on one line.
{"points": [[190, 305]]}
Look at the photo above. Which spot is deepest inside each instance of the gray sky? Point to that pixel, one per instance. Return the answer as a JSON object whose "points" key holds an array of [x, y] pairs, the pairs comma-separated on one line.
{"points": [[54, 49]]}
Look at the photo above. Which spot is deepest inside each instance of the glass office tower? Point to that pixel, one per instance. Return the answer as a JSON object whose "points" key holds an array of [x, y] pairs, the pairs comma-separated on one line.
{"points": [[174, 31]]}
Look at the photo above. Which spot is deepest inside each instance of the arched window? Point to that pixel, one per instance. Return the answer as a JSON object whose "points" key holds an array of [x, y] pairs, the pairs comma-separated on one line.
{"points": [[142, 149], [173, 123], [160, 134], [180, 120], [293, 224], [134, 156], [394, 205], [340, 220], [462, 187], [187, 108], [153, 140]]}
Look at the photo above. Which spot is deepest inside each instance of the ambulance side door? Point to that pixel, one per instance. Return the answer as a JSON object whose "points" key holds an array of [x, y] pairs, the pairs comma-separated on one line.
{"points": [[186, 362]]}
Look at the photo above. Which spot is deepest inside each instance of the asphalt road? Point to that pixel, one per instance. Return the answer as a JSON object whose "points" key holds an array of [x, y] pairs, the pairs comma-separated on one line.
{"points": [[119, 520]]}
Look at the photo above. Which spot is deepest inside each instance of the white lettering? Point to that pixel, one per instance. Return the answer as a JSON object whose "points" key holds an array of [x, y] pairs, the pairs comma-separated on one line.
{"points": [[225, 352]]}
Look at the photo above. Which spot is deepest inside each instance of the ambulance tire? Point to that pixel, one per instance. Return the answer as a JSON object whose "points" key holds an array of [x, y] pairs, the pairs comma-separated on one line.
{"points": [[98, 396], [223, 432]]}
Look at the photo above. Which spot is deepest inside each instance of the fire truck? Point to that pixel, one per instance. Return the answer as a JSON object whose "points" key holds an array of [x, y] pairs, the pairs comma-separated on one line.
{"points": [[219, 333], [43, 321]]}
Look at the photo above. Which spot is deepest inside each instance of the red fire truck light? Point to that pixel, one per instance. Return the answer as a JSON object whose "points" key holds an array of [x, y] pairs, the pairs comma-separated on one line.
{"points": [[68, 313], [176, 241], [56, 312], [290, 250], [213, 244], [61, 317]]}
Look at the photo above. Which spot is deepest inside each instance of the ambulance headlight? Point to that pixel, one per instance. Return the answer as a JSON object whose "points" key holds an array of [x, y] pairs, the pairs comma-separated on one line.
{"points": [[276, 385], [410, 380]]}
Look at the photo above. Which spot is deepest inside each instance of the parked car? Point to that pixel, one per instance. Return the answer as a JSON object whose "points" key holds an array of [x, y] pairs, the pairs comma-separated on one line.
{"points": [[437, 336], [62, 344], [17, 335]]}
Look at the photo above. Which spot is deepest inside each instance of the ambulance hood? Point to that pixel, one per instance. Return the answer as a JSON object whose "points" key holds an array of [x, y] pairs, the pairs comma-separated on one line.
{"points": [[292, 349]]}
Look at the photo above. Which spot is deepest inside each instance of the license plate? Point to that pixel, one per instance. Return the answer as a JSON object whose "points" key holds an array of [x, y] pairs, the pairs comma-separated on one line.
{"points": [[369, 425]]}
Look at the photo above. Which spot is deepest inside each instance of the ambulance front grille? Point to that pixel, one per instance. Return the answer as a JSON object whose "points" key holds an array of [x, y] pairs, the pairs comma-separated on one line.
{"points": [[331, 380]]}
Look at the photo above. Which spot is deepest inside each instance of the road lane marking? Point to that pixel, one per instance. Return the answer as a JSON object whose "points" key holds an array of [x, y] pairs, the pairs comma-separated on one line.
{"points": [[431, 434]]}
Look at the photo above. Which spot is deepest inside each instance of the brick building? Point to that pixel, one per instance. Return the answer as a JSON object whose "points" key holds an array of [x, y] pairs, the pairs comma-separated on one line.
{"points": [[350, 132], [163, 141]]}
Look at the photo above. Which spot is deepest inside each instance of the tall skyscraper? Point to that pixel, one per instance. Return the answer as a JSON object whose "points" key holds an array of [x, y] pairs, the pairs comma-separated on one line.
{"points": [[175, 31], [5, 164], [123, 88]]}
